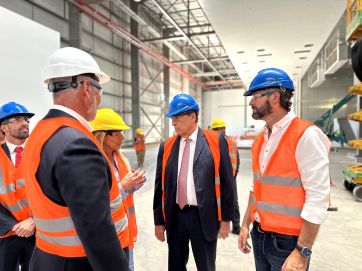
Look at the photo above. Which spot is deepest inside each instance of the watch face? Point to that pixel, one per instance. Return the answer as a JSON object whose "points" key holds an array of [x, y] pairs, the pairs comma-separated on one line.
{"points": [[306, 252]]}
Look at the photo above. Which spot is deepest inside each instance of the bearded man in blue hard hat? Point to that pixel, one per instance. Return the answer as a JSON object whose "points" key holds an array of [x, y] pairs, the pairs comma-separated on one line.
{"points": [[194, 197], [17, 226], [289, 197]]}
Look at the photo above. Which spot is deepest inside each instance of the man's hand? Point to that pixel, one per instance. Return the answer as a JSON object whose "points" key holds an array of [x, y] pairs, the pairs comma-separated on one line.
{"points": [[160, 232], [224, 229], [25, 228], [295, 262], [243, 244]]}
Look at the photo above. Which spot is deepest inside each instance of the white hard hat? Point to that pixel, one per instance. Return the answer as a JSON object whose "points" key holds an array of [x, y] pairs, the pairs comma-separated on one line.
{"points": [[70, 61]]}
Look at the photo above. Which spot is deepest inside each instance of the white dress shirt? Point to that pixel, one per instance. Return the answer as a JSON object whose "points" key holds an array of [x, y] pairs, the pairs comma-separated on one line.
{"points": [[74, 114], [11, 148], [191, 193], [313, 164]]}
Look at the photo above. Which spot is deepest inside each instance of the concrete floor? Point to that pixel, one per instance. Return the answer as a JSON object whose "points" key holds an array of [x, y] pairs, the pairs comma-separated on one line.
{"points": [[338, 246]]}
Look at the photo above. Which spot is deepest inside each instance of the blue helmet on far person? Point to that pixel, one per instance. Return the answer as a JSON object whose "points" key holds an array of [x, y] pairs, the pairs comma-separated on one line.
{"points": [[268, 78], [181, 103], [13, 109]]}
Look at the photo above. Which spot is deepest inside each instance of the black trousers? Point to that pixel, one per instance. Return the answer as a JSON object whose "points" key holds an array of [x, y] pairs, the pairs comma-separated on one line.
{"points": [[187, 227], [15, 250], [236, 220]]}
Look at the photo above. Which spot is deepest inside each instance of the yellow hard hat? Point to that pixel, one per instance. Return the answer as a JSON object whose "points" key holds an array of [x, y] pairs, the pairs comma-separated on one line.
{"points": [[107, 119], [139, 131], [218, 123]]}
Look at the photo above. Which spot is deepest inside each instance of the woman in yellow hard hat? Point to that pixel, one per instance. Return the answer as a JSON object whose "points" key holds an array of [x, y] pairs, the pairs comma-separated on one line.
{"points": [[140, 146], [108, 128]]}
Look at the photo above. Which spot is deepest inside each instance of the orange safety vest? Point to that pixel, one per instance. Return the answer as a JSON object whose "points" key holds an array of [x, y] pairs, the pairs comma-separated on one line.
{"points": [[233, 152], [139, 144], [212, 138], [128, 202], [279, 196], [12, 190], [55, 231]]}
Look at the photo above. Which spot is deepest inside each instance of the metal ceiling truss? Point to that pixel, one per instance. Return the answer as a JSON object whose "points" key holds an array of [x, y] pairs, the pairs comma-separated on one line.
{"points": [[104, 20], [184, 26], [187, 18]]}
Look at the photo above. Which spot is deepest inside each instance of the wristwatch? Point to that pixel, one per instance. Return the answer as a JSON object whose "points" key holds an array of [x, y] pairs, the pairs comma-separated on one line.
{"points": [[305, 251]]}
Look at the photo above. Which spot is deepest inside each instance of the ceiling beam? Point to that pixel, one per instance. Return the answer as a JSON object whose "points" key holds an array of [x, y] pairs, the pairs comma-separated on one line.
{"points": [[180, 36], [172, 21]]}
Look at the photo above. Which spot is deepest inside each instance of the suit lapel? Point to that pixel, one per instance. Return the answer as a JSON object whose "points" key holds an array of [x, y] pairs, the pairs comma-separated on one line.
{"points": [[200, 142], [173, 159], [6, 150]]}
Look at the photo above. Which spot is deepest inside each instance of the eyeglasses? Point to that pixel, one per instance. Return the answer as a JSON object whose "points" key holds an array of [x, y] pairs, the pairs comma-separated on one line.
{"points": [[261, 94], [114, 132], [176, 117], [93, 84], [17, 119]]}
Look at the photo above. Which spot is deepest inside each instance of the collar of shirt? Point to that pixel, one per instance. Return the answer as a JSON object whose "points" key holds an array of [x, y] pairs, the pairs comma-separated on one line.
{"points": [[280, 125], [74, 114], [12, 147], [193, 136]]}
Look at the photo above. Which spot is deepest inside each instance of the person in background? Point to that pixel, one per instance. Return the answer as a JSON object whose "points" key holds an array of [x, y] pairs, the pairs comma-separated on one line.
{"points": [[74, 198], [219, 125], [109, 128], [140, 146], [194, 195], [289, 198], [17, 226]]}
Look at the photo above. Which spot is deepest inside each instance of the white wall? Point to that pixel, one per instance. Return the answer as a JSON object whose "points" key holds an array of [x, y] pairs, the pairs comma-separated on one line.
{"points": [[24, 49], [231, 106]]}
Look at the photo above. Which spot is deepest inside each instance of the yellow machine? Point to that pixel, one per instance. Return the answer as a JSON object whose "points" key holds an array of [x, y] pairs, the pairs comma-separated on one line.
{"points": [[353, 180]]}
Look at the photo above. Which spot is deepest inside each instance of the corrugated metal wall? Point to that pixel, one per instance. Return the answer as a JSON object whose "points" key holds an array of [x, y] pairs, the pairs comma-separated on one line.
{"points": [[113, 55]]}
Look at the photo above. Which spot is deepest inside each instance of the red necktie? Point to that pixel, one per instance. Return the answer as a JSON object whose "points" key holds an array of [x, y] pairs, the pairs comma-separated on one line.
{"points": [[18, 150], [182, 177]]}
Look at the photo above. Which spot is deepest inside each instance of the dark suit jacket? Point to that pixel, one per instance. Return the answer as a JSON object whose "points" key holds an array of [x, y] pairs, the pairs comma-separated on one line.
{"points": [[74, 173], [204, 178], [7, 220]]}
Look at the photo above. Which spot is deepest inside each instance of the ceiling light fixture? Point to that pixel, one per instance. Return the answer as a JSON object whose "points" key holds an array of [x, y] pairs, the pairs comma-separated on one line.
{"points": [[301, 51], [264, 55]]}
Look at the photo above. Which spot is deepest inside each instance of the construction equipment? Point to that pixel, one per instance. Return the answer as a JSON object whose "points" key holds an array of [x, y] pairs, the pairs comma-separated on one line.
{"points": [[353, 180], [325, 121]]}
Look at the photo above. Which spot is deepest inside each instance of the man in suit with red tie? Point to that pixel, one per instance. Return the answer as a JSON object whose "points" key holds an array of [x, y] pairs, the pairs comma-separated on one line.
{"points": [[16, 225], [194, 198]]}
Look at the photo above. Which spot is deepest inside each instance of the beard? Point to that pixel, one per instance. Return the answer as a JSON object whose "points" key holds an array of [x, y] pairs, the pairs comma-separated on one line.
{"points": [[262, 111], [21, 133]]}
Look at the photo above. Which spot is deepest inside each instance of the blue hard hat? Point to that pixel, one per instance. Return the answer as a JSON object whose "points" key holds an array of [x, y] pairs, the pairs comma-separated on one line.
{"points": [[12, 109], [181, 103], [268, 78]]}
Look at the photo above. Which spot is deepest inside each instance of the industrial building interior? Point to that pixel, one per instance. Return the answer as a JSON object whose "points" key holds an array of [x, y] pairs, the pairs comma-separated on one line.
{"points": [[210, 49]]}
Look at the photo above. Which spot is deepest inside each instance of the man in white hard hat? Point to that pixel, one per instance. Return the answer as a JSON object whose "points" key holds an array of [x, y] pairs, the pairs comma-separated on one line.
{"points": [[69, 179]]}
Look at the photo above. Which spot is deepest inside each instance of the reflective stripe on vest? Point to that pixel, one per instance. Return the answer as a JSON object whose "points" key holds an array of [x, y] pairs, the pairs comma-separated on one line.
{"points": [[56, 233], [278, 195], [212, 139], [128, 202], [233, 150], [12, 191]]}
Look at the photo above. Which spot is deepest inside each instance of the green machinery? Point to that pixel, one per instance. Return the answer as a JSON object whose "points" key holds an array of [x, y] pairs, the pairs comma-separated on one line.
{"points": [[324, 122], [353, 180]]}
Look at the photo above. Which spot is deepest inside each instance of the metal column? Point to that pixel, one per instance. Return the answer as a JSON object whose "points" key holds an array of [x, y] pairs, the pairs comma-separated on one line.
{"points": [[136, 119], [74, 26], [166, 91]]}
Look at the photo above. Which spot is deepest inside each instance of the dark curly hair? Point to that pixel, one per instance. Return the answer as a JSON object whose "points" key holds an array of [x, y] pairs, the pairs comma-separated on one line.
{"points": [[285, 99]]}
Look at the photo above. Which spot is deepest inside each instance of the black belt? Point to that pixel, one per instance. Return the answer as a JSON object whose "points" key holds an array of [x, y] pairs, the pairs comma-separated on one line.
{"points": [[187, 207], [259, 229]]}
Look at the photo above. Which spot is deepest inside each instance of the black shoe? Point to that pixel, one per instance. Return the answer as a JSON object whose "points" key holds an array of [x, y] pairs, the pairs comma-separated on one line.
{"points": [[236, 231]]}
